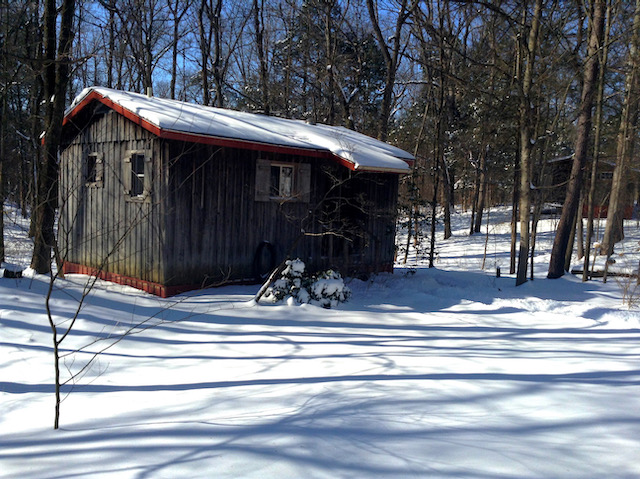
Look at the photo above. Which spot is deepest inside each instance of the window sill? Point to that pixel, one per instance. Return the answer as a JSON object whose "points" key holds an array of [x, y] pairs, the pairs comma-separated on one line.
{"points": [[145, 198]]}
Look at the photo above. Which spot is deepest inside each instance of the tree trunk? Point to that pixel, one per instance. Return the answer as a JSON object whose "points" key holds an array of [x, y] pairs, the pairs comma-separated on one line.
{"points": [[625, 143], [447, 200], [434, 207], [569, 209], [526, 146], [205, 52], [178, 10], [3, 124], [258, 24], [579, 230], [572, 238], [56, 78], [476, 193], [112, 42], [217, 55], [515, 199], [482, 193], [596, 145]]}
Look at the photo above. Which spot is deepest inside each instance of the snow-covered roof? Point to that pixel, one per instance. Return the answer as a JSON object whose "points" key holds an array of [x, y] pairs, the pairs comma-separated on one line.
{"points": [[180, 120]]}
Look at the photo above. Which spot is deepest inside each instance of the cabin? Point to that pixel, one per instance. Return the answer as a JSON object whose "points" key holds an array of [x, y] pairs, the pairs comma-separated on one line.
{"points": [[560, 170], [168, 196]]}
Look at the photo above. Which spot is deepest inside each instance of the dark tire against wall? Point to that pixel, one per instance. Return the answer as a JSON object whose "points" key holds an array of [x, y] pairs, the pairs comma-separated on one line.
{"points": [[264, 260]]}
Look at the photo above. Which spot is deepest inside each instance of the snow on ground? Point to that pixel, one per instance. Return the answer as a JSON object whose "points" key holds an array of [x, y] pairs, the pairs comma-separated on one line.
{"points": [[435, 373]]}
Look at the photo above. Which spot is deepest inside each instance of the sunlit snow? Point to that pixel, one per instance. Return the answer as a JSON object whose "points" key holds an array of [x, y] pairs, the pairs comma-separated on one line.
{"points": [[433, 373]]}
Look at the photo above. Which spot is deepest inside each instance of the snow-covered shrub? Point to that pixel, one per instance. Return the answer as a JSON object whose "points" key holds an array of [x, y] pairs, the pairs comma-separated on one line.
{"points": [[290, 282], [328, 289], [325, 289]]}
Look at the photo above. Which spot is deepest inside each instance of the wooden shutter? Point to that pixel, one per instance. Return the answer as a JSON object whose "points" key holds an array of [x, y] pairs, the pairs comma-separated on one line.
{"points": [[303, 182], [126, 173], [263, 180], [99, 169], [148, 172]]}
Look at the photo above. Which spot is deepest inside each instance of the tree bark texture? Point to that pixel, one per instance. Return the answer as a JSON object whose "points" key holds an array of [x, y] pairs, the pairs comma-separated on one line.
{"points": [[56, 78], [526, 146], [596, 146], [572, 198], [614, 231]]}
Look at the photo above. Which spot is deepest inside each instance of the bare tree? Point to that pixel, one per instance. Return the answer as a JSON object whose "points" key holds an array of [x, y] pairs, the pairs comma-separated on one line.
{"points": [[178, 9], [604, 53], [570, 207], [145, 26], [392, 52], [626, 140], [57, 56], [526, 142], [258, 25]]}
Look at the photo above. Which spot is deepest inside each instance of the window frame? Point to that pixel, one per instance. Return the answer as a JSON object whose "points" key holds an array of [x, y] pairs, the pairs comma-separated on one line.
{"points": [[276, 191], [128, 173], [300, 181], [96, 179]]}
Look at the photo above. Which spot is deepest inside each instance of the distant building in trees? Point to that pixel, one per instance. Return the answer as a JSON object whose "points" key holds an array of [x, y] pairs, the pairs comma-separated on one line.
{"points": [[560, 169], [168, 196]]}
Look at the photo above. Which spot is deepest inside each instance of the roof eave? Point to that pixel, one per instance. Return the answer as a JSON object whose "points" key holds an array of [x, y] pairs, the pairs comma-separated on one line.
{"points": [[222, 141]]}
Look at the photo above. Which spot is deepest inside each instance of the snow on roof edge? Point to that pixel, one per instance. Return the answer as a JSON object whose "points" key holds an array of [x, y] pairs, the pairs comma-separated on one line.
{"points": [[362, 152]]}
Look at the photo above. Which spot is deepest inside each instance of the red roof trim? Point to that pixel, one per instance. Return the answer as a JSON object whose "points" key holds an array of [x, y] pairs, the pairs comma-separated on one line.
{"points": [[191, 137], [235, 143], [213, 140]]}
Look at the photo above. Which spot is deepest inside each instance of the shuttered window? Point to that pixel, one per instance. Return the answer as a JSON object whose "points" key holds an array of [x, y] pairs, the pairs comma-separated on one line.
{"points": [[93, 169], [279, 181], [281, 184], [136, 175]]}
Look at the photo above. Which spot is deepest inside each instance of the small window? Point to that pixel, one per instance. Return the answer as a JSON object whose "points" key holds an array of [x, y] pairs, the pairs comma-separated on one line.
{"points": [[93, 169], [606, 175], [277, 181], [281, 185], [137, 174]]}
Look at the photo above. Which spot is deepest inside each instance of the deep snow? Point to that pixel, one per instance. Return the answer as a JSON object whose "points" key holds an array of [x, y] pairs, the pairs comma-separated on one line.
{"points": [[435, 373]]}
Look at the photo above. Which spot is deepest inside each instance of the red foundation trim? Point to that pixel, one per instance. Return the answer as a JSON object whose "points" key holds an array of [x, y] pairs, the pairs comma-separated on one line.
{"points": [[159, 289], [150, 287]]}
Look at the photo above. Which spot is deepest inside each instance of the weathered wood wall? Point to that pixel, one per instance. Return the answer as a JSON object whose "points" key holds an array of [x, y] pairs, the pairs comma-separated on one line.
{"points": [[214, 225], [202, 223], [99, 226]]}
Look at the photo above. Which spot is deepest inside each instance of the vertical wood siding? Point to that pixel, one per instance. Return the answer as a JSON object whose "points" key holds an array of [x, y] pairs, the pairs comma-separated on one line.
{"points": [[214, 224], [202, 223], [98, 226]]}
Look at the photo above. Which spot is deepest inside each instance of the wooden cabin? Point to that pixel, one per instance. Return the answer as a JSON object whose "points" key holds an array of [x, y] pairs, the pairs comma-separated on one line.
{"points": [[560, 171], [168, 196]]}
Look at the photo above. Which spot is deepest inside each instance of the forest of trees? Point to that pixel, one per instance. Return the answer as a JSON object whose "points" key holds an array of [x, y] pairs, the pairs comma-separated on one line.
{"points": [[485, 93]]}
